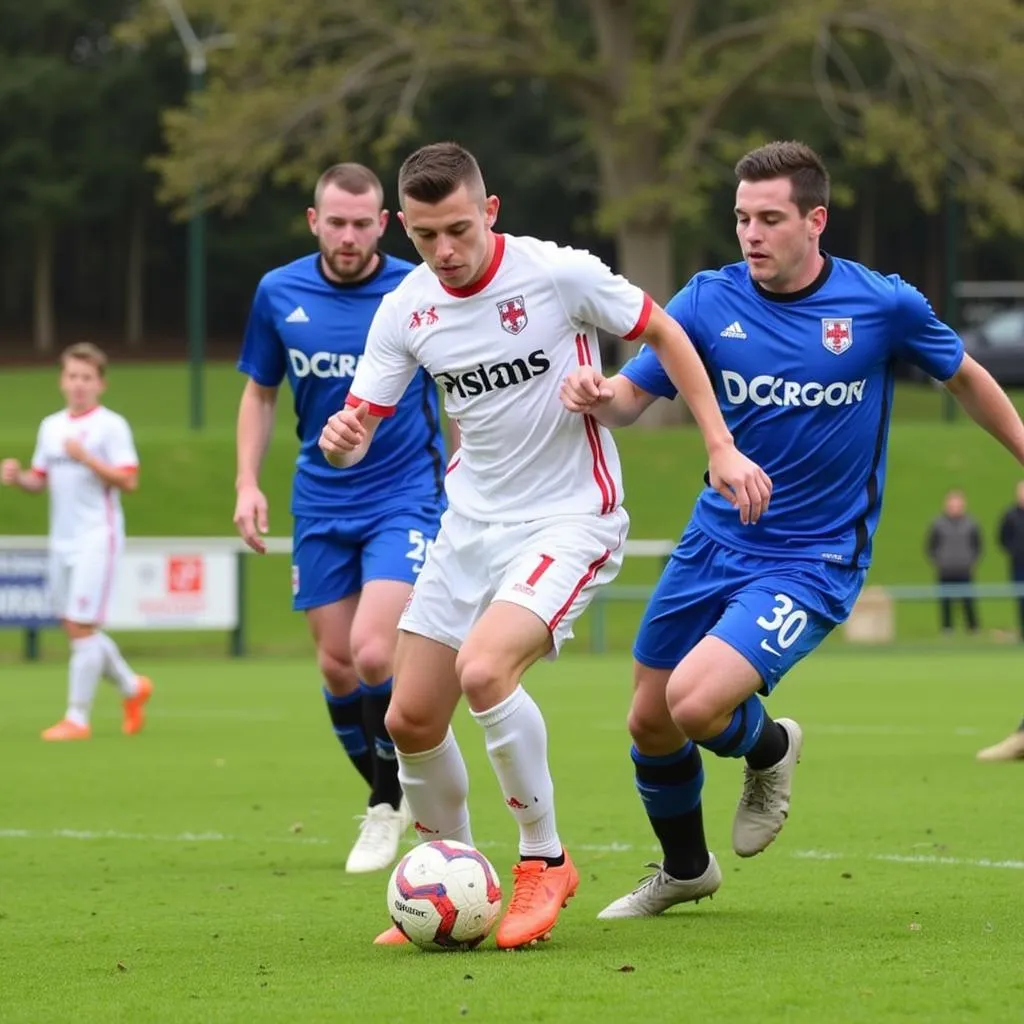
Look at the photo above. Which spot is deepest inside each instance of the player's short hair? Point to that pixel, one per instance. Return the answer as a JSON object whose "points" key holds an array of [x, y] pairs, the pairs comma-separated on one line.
{"points": [[434, 172], [86, 352], [354, 178], [806, 171]]}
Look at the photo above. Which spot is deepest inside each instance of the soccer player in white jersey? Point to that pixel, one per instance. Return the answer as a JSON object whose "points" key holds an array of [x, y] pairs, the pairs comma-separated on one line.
{"points": [[85, 456], [535, 522]]}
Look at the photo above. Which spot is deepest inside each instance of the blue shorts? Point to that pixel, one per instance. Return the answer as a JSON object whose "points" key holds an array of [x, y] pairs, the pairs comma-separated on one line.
{"points": [[773, 611], [333, 558]]}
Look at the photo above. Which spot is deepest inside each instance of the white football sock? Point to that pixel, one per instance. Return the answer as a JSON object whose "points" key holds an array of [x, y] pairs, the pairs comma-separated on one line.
{"points": [[436, 786], [84, 671], [517, 744], [116, 669]]}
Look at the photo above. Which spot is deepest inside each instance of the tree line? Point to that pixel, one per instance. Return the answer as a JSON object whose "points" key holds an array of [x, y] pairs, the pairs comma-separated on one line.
{"points": [[608, 124]]}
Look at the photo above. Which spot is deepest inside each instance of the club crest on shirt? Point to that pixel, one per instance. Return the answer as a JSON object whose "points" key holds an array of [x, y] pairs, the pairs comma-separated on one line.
{"points": [[837, 334], [512, 313]]}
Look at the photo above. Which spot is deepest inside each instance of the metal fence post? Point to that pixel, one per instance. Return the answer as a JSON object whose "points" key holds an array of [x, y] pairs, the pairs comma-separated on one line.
{"points": [[31, 646], [597, 644], [238, 633]]}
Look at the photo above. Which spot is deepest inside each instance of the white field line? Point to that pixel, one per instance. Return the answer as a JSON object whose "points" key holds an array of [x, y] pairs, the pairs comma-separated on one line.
{"points": [[860, 730], [916, 859], [180, 837]]}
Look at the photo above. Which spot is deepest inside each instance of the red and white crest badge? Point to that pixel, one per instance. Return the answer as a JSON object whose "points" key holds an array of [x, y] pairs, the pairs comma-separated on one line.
{"points": [[837, 335], [513, 314]]}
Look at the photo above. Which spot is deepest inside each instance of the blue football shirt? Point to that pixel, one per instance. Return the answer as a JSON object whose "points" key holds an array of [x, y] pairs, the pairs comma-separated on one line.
{"points": [[805, 383], [312, 330]]}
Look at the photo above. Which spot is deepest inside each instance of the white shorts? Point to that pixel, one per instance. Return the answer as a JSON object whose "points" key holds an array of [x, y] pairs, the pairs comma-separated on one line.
{"points": [[552, 567], [82, 580]]}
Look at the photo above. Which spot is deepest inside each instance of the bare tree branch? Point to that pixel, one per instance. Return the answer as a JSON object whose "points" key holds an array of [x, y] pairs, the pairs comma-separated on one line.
{"points": [[678, 33], [827, 48], [711, 43], [712, 111]]}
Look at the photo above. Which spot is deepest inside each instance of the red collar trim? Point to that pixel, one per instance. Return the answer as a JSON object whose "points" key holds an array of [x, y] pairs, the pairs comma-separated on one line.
{"points": [[488, 275], [81, 415]]}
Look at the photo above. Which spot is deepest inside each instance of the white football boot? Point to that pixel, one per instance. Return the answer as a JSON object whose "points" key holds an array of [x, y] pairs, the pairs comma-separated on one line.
{"points": [[656, 893], [764, 805], [1010, 749], [380, 832]]}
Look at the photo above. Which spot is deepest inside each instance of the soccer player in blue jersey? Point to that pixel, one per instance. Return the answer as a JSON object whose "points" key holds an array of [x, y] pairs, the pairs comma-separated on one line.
{"points": [[360, 535], [800, 347]]}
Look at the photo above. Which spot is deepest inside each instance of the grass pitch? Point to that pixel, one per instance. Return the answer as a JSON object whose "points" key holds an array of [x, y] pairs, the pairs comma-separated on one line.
{"points": [[187, 488], [194, 872]]}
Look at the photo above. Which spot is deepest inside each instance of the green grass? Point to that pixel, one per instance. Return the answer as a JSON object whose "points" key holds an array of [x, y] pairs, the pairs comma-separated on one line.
{"points": [[193, 873], [187, 488]]}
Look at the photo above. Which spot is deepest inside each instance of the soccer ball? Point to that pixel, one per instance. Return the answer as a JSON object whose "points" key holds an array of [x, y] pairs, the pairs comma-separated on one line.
{"points": [[444, 895]]}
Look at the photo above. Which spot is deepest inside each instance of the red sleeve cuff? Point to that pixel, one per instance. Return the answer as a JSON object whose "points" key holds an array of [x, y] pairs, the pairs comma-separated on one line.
{"points": [[381, 411], [641, 321], [127, 469], [38, 472]]}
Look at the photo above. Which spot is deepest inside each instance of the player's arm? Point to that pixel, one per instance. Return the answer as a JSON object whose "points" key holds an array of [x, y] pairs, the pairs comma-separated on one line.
{"points": [[253, 431], [119, 466], [124, 478], [383, 374], [263, 361], [988, 405], [592, 294], [671, 344], [933, 346], [33, 479], [613, 401], [347, 435], [30, 480]]}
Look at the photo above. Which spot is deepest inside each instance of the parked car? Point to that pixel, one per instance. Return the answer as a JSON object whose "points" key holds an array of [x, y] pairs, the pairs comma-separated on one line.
{"points": [[997, 343]]}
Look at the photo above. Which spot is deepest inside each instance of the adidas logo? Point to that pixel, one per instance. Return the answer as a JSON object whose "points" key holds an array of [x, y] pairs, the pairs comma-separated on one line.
{"points": [[298, 316], [734, 331]]}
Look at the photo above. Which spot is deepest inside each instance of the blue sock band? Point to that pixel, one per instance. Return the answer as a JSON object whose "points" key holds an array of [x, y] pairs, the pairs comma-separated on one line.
{"points": [[382, 745], [671, 784], [741, 733], [347, 719], [380, 690]]}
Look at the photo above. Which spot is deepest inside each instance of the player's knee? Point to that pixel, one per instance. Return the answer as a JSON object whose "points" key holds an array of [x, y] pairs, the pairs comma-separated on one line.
{"points": [[651, 728], [338, 671], [693, 712], [481, 678], [373, 658], [413, 730]]}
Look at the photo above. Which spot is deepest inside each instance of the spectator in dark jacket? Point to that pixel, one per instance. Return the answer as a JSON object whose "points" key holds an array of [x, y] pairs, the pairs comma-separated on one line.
{"points": [[954, 547], [1011, 540]]}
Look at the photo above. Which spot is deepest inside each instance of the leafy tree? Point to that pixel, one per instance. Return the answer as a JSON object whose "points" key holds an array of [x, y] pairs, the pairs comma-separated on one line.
{"points": [[78, 116], [656, 89]]}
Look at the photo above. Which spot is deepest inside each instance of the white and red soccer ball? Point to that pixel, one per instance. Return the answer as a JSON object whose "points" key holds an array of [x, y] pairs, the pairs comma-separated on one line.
{"points": [[444, 895]]}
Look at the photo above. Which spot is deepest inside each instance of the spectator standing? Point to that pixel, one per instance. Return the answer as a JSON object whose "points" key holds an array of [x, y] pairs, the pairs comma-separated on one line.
{"points": [[954, 548]]}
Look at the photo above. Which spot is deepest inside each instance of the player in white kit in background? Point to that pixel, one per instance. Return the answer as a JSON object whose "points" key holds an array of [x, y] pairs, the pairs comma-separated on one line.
{"points": [[85, 457], [535, 522]]}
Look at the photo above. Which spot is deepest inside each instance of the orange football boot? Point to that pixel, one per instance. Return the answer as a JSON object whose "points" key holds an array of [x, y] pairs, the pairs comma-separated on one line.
{"points": [[134, 707], [67, 730], [394, 936], [539, 891]]}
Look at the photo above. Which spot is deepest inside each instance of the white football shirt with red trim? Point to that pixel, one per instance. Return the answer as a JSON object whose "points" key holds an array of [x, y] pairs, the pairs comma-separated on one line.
{"points": [[80, 503], [499, 349]]}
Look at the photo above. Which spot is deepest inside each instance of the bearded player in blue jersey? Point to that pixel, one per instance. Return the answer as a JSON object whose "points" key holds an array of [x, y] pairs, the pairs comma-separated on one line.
{"points": [[800, 347], [360, 535]]}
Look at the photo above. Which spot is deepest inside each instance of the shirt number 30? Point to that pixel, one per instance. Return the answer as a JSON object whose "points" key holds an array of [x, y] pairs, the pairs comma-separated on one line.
{"points": [[786, 621]]}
